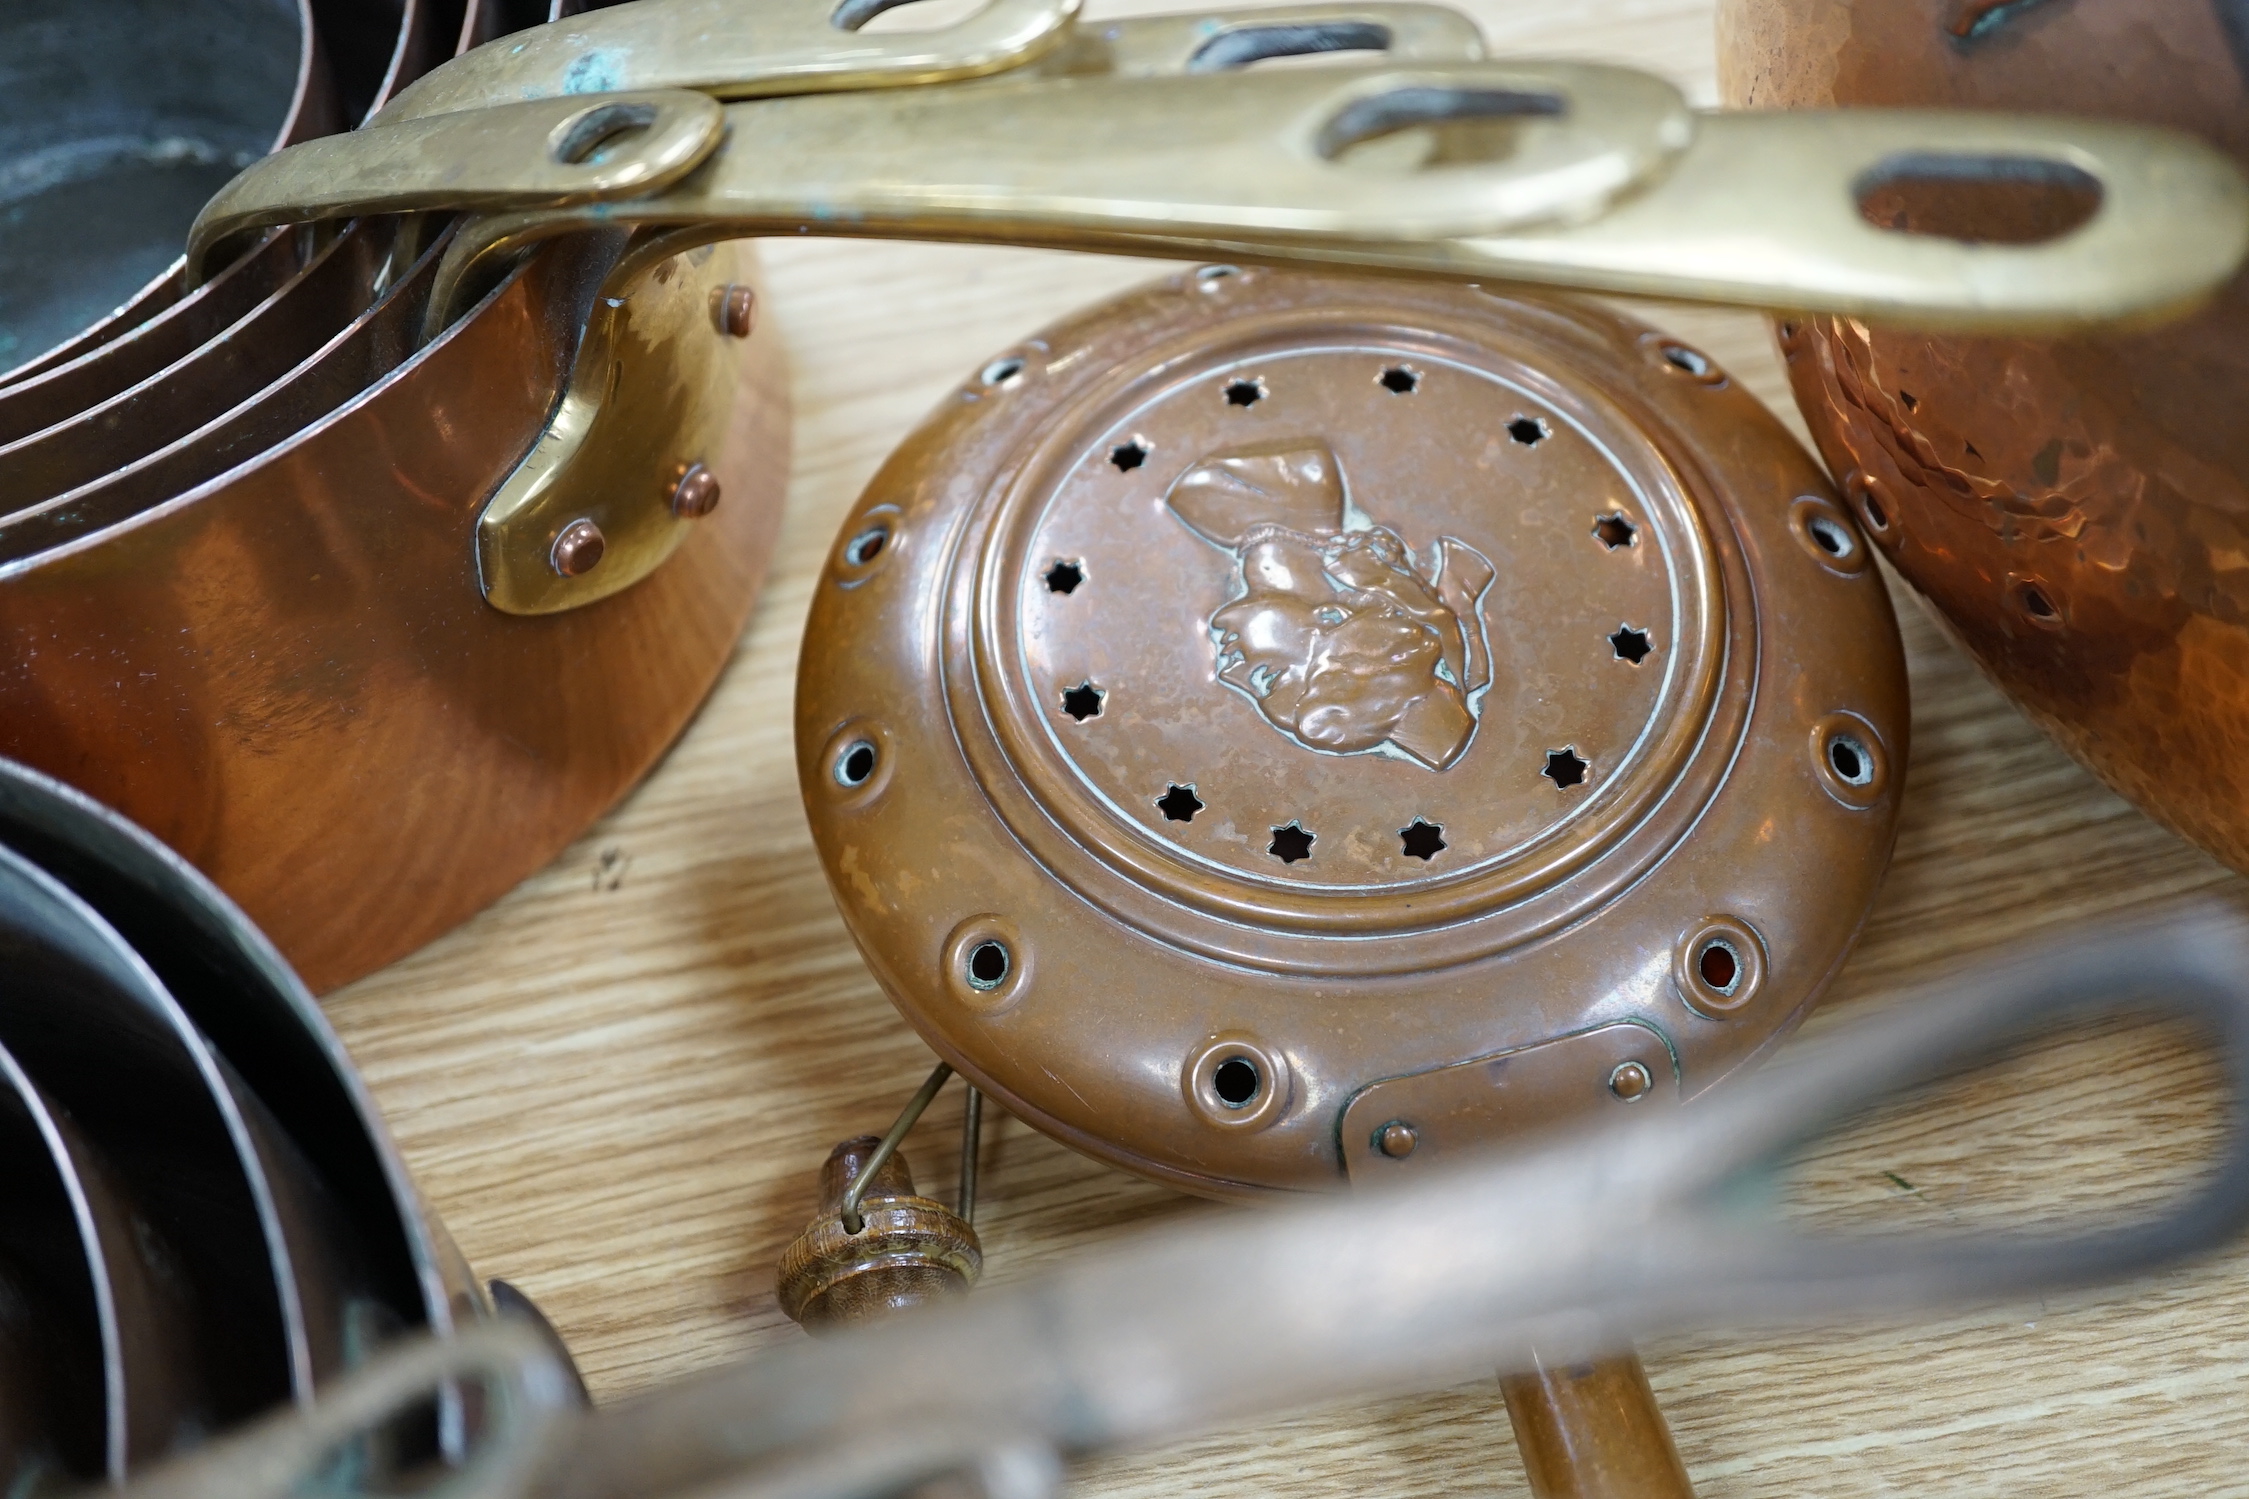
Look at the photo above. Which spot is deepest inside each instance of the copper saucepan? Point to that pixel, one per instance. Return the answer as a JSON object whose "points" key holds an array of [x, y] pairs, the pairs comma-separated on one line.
{"points": [[263, 494]]}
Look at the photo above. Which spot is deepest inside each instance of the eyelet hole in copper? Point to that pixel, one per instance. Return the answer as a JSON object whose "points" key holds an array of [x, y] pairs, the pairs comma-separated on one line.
{"points": [[1684, 359], [866, 546], [1719, 967], [1870, 497], [1234, 1081], [1822, 529], [1003, 372], [1850, 759], [986, 963], [856, 766], [2034, 601], [856, 762]]}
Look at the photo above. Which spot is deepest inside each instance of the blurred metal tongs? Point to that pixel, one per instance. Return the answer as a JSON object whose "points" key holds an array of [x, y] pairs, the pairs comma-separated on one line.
{"points": [[1022, 125], [1562, 1253]]}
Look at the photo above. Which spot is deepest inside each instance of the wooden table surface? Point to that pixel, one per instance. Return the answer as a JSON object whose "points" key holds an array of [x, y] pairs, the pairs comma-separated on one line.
{"points": [[616, 1085]]}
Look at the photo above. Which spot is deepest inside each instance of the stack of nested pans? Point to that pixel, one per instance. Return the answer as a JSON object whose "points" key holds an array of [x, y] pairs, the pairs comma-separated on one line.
{"points": [[240, 596], [204, 1218]]}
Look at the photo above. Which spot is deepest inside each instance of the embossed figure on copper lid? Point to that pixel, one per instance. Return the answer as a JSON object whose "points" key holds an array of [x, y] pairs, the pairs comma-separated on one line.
{"points": [[1338, 634]]}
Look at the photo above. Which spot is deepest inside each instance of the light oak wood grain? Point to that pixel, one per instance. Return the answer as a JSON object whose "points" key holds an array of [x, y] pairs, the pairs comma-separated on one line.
{"points": [[616, 1085]]}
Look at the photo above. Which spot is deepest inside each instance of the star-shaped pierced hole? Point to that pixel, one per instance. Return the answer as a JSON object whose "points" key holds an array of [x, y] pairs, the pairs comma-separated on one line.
{"points": [[1290, 844], [1527, 430], [1082, 701], [1422, 840], [1615, 531], [1564, 768], [1128, 456], [1245, 392], [1631, 645], [1064, 577], [1179, 804], [1399, 380]]}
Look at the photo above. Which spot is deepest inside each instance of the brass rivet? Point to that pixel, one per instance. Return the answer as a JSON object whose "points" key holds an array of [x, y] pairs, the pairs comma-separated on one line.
{"points": [[696, 495], [1630, 1081], [734, 309], [1397, 1139], [577, 551]]}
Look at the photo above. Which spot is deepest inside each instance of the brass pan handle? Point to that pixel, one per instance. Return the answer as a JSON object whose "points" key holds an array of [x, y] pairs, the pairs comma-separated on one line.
{"points": [[734, 49], [1553, 1257], [1133, 137]]}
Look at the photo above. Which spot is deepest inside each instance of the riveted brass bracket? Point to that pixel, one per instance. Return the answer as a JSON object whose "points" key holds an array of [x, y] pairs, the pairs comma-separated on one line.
{"points": [[653, 366]]}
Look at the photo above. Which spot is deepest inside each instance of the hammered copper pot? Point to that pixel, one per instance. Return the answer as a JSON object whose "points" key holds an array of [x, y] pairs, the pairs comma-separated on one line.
{"points": [[2076, 509]]}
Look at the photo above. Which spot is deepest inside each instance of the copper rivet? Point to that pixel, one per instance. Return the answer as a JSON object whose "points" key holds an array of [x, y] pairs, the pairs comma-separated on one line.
{"points": [[577, 551], [1397, 1139], [737, 310], [1630, 1081], [696, 495]]}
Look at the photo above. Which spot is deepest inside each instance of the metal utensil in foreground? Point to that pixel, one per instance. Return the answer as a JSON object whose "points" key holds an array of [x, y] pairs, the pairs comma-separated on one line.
{"points": [[1552, 1256]]}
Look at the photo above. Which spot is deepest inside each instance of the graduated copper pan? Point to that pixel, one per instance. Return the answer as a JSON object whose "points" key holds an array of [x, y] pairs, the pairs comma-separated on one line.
{"points": [[2074, 508], [286, 751], [263, 346], [351, 359], [300, 686]]}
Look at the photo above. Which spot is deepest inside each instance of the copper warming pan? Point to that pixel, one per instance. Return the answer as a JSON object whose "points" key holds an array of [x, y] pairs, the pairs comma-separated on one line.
{"points": [[239, 595], [2073, 507]]}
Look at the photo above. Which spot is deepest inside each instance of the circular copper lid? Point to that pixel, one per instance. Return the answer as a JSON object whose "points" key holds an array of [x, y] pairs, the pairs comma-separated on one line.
{"points": [[1273, 724]]}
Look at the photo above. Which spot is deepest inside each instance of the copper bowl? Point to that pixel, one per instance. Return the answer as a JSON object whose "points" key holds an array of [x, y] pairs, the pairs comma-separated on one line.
{"points": [[2077, 510]]}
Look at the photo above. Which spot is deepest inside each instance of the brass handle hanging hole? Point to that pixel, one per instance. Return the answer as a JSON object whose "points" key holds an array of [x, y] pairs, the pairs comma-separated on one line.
{"points": [[1977, 199], [915, 15], [1239, 46], [582, 139], [1449, 117]]}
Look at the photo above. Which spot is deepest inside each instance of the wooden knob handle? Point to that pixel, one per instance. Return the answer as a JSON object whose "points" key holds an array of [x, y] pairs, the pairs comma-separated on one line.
{"points": [[1593, 1431], [909, 1251]]}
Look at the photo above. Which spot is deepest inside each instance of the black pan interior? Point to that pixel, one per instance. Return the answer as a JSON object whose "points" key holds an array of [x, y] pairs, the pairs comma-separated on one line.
{"points": [[112, 137]]}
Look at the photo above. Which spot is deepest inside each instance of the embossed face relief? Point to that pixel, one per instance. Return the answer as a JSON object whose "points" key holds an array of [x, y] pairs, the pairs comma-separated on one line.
{"points": [[1344, 639]]}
